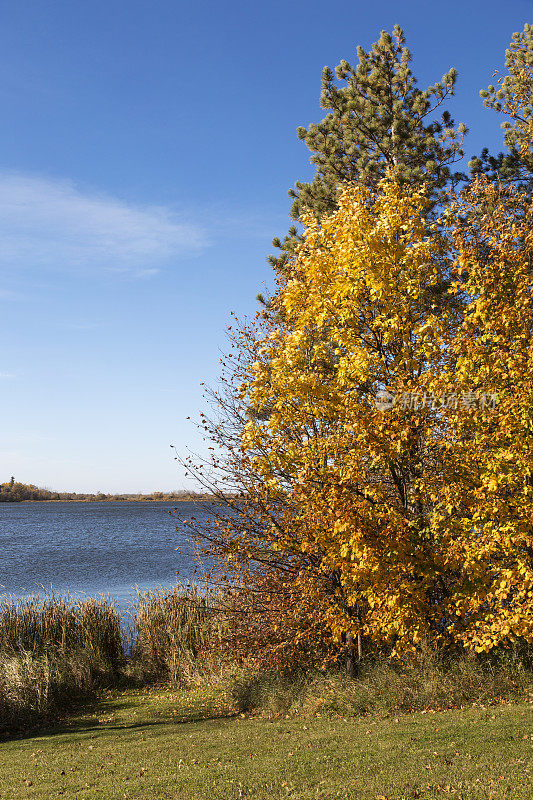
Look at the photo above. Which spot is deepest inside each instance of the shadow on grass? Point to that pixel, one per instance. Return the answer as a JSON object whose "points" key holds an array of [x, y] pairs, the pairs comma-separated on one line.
{"points": [[82, 717]]}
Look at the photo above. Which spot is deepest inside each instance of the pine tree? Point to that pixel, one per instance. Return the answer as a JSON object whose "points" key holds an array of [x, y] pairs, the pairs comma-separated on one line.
{"points": [[513, 97], [378, 124]]}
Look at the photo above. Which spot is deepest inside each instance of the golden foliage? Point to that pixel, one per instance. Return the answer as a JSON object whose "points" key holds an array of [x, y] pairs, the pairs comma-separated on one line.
{"points": [[409, 524], [363, 311]]}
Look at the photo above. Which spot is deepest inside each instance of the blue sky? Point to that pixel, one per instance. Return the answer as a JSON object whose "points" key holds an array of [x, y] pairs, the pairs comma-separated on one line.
{"points": [[145, 154]]}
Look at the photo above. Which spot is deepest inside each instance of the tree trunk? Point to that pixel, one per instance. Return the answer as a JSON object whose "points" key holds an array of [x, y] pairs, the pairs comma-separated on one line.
{"points": [[350, 655]]}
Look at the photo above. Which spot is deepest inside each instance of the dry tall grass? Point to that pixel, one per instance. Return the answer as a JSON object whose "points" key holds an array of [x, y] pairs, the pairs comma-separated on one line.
{"points": [[56, 649], [426, 680], [49, 625], [177, 634], [53, 650]]}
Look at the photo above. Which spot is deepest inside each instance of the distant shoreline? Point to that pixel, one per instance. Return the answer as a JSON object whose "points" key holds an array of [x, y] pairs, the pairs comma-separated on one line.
{"points": [[15, 492], [146, 499]]}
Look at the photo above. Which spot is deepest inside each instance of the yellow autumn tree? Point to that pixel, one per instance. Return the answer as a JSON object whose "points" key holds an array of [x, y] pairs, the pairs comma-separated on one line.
{"points": [[376, 424], [363, 312], [381, 441], [382, 436], [327, 534], [485, 507]]}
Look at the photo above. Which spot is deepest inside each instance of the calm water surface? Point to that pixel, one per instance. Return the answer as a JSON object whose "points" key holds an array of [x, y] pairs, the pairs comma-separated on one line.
{"points": [[94, 548]]}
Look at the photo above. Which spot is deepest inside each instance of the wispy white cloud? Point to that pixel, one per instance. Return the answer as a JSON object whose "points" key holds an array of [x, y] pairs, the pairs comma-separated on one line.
{"points": [[6, 375], [46, 223]]}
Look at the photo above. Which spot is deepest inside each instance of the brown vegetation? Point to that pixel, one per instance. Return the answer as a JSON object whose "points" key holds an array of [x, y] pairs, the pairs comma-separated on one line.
{"points": [[14, 492]]}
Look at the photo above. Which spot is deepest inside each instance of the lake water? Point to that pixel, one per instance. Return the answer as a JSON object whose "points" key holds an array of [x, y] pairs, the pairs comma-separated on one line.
{"points": [[96, 548]]}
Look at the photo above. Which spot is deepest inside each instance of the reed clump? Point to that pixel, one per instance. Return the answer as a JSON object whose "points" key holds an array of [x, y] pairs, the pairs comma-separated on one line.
{"points": [[48, 625], [54, 650], [177, 635]]}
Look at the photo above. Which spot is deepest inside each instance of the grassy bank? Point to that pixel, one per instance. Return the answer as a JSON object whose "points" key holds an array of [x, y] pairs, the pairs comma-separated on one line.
{"points": [[56, 652], [189, 745]]}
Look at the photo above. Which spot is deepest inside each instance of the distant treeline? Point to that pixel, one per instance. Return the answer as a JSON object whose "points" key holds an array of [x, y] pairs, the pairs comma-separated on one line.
{"points": [[14, 492]]}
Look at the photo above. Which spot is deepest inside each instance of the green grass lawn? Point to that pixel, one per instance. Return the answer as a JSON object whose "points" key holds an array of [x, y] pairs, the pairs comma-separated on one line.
{"points": [[159, 744]]}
